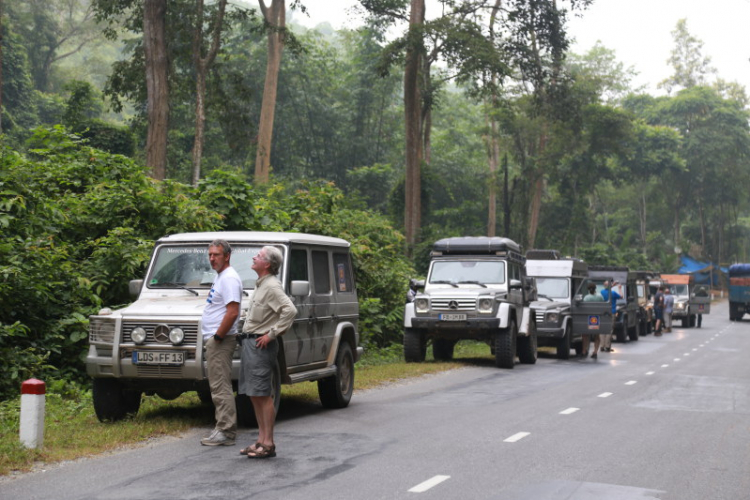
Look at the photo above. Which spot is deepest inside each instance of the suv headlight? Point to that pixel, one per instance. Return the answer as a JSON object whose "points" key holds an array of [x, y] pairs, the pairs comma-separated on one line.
{"points": [[421, 305], [552, 317], [138, 335], [176, 336], [679, 305], [484, 305]]}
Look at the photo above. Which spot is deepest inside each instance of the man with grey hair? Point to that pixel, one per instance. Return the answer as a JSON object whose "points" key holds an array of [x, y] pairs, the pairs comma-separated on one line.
{"points": [[219, 329], [271, 313]]}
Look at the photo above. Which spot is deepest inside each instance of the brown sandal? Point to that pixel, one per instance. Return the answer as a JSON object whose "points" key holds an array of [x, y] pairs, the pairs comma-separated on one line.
{"points": [[263, 451], [252, 448]]}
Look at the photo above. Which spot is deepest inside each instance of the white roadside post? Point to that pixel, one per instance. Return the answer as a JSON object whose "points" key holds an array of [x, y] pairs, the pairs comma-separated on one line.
{"points": [[32, 413]]}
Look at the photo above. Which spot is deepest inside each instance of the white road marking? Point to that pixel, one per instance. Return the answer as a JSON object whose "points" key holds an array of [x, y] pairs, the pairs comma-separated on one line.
{"points": [[604, 395], [650, 373], [516, 437], [664, 366], [686, 354], [432, 482], [631, 382], [676, 359], [695, 349], [569, 411]]}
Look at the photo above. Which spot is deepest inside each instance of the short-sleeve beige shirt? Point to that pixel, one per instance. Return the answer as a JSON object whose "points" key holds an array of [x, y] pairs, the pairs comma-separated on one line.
{"points": [[271, 311]]}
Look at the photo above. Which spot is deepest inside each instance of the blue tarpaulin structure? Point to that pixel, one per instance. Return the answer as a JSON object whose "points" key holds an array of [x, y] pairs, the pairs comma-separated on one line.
{"points": [[703, 271]]}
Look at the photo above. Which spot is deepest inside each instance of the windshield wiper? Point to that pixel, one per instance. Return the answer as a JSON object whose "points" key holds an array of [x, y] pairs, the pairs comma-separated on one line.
{"points": [[444, 282], [174, 285], [544, 296], [473, 283]]}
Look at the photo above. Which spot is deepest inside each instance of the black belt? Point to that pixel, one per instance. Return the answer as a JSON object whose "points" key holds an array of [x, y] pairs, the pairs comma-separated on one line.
{"points": [[242, 336]]}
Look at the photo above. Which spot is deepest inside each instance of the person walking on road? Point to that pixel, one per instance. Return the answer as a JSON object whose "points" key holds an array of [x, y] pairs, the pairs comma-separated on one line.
{"points": [[612, 297], [218, 327], [271, 313], [659, 311], [668, 308], [592, 296]]}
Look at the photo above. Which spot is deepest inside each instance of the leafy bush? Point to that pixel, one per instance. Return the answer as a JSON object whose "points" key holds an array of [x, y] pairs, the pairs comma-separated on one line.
{"points": [[79, 223]]}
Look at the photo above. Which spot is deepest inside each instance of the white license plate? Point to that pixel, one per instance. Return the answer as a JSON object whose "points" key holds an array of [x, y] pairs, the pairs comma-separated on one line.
{"points": [[170, 358], [452, 317]]}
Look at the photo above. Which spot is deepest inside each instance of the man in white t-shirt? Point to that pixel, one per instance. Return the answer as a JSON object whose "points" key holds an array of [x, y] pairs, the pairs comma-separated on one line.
{"points": [[219, 329]]}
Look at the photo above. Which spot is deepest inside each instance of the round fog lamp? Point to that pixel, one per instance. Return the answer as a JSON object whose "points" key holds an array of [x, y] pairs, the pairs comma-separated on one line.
{"points": [[176, 336], [138, 335]]}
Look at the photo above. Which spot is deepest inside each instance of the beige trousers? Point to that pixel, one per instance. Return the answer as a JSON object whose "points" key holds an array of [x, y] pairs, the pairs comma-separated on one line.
{"points": [[219, 370]]}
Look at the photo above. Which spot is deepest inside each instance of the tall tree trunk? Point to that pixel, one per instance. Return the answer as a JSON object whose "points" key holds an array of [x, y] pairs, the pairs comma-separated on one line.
{"points": [[493, 149], [1, 65], [275, 18], [157, 89], [202, 64], [493, 157], [506, 198], [412, 121], [642, 214]]}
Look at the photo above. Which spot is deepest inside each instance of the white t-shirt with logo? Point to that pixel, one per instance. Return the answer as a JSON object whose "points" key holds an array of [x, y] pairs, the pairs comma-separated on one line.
{"points": [[227, 288]]}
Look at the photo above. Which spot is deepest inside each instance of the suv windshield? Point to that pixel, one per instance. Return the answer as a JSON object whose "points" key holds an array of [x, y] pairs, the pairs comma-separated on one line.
{"points": [[179, 266], [554, 288], [678, 289], [468, 271]]}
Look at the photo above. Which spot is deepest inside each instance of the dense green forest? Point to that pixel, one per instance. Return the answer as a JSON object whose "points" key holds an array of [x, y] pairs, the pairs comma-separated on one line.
{"points": [[124, 120]]}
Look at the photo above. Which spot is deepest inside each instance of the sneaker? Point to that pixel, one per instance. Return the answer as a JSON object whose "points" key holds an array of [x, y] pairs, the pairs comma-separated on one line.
{"points": [[217, 439], [210, 434]]}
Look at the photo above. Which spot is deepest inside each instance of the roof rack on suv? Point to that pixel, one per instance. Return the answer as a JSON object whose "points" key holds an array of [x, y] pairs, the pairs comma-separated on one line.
{"points": [[478, 245], [540, 254]]}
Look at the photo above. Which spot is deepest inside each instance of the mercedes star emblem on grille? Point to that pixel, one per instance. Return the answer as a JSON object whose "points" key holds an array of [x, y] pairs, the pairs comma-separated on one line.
{"points": [[453, 304], [161, 333]]}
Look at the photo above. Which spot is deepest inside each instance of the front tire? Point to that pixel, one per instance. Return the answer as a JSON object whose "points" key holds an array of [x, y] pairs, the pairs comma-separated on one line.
{"points": [[415, 346], [635, 332], [563, 345], [505, 346], [621, 331], [336, 391], [112, 402], [527, 351]]}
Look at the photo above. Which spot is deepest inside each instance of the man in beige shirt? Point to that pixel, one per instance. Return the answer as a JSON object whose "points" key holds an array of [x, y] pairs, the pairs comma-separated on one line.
{"points": [[271, 314]]}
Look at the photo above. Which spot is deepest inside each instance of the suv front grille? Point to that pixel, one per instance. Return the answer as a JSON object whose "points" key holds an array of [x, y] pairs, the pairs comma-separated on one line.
{"points": [[190, 329], [462, 304], [539, 317]]}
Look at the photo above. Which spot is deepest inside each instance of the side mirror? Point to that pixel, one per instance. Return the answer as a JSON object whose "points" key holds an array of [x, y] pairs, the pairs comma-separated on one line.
{"points": [[631, 299], [134, 287], [300, 288], [578, 298], [515, 285], [420, 284]]}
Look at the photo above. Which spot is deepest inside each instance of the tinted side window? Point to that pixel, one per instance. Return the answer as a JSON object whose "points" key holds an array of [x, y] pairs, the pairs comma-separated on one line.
{"points": [[321, 272], [298, 265], [343, 273]]}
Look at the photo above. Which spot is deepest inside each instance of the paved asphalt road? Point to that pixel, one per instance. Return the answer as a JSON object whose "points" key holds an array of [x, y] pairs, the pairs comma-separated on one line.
{"points": [[661, 418]]}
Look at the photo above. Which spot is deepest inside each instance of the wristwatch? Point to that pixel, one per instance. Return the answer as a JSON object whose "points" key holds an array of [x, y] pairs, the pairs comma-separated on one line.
{"points": [[217, 338]]}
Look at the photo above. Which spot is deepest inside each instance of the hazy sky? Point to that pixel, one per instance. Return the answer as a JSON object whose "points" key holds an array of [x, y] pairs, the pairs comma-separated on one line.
{"points": [[639, 31]]}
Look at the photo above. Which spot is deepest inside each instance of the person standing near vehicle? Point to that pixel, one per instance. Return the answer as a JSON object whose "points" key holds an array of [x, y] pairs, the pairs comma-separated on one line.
{"points": [[668, 308], [612, 297], [659, 311], [271, 313], [219, 328], [592, 296]]}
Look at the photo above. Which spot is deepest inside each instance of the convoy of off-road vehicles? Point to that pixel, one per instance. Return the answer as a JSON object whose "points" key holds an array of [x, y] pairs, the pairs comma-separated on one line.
{"points": [[487, 289]]}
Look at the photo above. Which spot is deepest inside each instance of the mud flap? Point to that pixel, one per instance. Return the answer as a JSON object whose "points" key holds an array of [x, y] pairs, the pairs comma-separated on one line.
{"points": [[523, 328]]}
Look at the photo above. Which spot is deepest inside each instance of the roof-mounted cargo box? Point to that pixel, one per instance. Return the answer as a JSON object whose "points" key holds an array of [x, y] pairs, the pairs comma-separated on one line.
{"points": [[477, 245], [739, 270]]}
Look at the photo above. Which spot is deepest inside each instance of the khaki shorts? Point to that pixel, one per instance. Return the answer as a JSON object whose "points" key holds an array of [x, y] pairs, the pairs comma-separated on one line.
{"points": [[257, 368]]}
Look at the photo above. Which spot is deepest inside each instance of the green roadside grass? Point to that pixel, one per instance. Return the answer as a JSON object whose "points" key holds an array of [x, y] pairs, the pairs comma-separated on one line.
{"points": [[72, 430]]}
